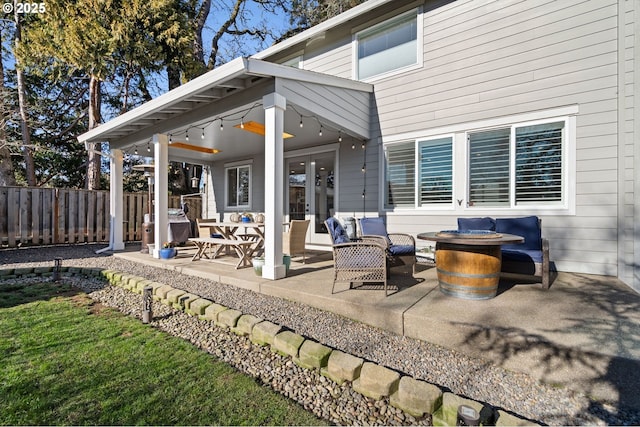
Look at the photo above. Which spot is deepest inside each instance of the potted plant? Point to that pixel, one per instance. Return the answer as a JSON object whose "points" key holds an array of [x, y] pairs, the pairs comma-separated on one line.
{"points": [[168, 251], [258, 263]]}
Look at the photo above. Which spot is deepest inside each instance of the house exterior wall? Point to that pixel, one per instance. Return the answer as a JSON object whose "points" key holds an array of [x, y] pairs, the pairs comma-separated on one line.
{"points": [[216, 203], [629, 135], [491, 60]]}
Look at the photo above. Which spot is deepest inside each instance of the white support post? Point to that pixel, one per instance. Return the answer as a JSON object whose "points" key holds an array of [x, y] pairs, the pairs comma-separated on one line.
{"points": [[116, 195], [274, 107], [161, 193]]}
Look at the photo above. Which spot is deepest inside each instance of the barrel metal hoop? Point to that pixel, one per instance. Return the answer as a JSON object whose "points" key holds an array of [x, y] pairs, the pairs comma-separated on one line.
{"points": [[475, 276]]}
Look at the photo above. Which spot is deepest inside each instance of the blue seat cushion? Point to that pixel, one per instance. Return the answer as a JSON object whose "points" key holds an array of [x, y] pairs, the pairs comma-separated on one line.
{"points": [[399, 250], [485, 223], [338, 233], [527, 227], [373, 227], [521, 255], [217, 236]]}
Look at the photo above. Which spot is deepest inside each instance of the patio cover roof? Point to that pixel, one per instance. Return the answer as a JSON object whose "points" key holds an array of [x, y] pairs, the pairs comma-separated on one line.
{"points": [[232, 93]]}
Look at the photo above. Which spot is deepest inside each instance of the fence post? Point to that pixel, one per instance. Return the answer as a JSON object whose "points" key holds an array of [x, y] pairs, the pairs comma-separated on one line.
{"points": [[56, 213]]}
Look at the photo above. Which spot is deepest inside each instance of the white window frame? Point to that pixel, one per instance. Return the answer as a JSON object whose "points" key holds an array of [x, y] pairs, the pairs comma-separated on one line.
{"points": [[567, 206], [416, 184], [390, 22], [236, 166], [513, 206], [418, 143]]}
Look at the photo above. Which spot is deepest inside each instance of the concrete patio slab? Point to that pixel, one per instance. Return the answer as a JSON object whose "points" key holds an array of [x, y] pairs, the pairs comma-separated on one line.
{"points": [[583, 333]]}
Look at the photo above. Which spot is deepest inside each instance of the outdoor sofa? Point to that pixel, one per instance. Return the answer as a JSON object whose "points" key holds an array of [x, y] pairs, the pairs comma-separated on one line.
{"points": [[528, 258]]}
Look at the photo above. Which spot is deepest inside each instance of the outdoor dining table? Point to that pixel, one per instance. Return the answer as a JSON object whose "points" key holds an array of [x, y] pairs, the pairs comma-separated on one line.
{"points": [[229, 230], [468, 263]]}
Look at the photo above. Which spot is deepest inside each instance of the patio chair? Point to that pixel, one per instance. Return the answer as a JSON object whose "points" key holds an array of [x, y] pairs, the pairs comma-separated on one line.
{"points": [[293, 240], [362, 260], [401, 248]]}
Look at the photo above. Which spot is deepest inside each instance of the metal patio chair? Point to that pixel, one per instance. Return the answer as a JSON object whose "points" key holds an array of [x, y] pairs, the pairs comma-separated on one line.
{"points": [[401, 247], [362, 260]]}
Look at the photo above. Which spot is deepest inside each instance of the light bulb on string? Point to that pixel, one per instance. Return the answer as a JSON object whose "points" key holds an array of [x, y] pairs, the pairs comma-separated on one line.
{"points": [[202, 136], [187, 136], [221, 125]]}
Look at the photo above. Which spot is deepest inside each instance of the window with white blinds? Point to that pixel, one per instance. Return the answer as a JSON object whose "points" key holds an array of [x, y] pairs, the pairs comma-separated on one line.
{"points": [[400, 175], [535, 176], [521, 164], [539, 163], [435, 180], [489, 168]]}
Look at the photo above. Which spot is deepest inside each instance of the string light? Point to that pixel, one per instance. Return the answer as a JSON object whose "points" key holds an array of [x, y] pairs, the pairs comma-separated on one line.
{"points": [[148, 148], [203, 126], [135, 150]]}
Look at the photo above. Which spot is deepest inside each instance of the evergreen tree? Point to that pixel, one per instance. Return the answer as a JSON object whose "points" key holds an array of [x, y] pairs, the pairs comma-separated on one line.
{"points": [[101, 39]]}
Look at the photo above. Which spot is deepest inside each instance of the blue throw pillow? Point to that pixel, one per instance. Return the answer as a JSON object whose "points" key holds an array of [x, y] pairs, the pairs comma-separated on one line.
{"points": [[485, 223], [527, 227], [338, 234], [373, 227], [399, 250]]}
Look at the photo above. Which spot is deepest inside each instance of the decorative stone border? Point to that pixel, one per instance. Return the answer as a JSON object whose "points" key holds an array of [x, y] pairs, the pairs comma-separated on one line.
{"points": [[415, 397]]}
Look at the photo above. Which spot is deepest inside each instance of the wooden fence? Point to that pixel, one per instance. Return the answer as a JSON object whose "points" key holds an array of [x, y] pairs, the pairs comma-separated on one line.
{"points": [[45, 216]]}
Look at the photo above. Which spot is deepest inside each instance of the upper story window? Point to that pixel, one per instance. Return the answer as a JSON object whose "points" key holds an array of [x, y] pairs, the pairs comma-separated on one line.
{"points": [[238, 186], [389, 46]]}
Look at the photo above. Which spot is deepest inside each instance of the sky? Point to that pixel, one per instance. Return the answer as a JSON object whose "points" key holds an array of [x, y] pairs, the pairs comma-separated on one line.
{"points": [[219, 11], [278, 23]]}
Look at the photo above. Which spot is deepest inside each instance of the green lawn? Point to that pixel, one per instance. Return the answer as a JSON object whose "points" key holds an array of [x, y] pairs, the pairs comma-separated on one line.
{"points": [[65, 360]]}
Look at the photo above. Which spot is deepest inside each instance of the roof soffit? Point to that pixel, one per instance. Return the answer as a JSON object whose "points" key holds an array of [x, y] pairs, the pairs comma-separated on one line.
{"points": [[204, 97]]}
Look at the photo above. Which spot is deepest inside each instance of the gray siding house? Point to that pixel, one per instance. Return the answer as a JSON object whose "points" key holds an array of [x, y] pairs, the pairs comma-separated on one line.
{"points": [[423, 112]]}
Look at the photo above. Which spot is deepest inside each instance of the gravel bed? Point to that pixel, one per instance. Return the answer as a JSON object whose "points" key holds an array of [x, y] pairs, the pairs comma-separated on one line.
{"points": [[477, 379]]}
